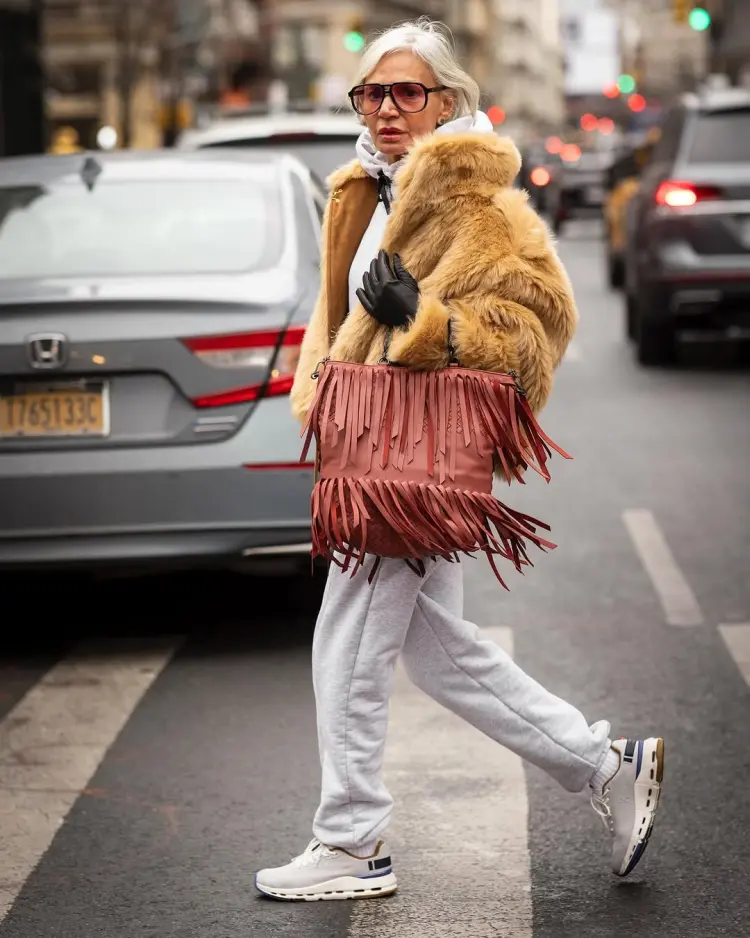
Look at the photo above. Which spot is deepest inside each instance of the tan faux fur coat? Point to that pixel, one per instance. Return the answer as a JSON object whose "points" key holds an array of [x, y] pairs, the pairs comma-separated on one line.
{"points": [[481, 256]]}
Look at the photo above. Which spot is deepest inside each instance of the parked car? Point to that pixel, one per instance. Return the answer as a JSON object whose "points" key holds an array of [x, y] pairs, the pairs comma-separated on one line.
{"points": [[323, 142], [583, 186], [152, 306], [688, 252]]}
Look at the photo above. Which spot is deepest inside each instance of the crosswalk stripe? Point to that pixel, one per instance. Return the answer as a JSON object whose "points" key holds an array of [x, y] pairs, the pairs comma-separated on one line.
{"points": [[459, 827], [676, 597], [737, 640], [52, 742]]}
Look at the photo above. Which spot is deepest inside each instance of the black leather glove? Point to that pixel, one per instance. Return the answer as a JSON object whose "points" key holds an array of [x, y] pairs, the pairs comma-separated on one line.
{"points": [[389, 293]]}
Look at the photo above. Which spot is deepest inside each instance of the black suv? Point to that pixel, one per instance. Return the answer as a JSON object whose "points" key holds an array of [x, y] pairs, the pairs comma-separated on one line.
{"points": [[687, 260]]}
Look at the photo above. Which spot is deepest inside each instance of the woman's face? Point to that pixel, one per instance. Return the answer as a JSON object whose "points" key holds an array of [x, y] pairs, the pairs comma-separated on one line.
{"points": [[394, 131]]}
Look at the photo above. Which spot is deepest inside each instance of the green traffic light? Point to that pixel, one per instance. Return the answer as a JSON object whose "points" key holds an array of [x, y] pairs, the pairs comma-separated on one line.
{"points": [[699, 19], [354, 42], [626, 84]]}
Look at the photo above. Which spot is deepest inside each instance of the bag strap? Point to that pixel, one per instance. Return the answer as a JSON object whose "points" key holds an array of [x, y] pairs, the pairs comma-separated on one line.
{"points": [[452, 353]]}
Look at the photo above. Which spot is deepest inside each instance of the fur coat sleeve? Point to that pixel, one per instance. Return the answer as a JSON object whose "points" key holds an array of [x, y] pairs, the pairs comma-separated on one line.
{"points": [[507, 295]]}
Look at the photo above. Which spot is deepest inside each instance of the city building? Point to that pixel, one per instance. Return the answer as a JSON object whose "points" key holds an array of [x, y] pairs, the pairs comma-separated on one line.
{"points": [[591, 35], [529, 81], [659, 48], [133, 70], [729, 39], [317, 46]]}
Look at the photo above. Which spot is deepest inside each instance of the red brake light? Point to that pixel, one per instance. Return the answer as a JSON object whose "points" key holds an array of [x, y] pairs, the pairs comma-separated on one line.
{"points": [[276, 354], [676, 194], [244, 340]]}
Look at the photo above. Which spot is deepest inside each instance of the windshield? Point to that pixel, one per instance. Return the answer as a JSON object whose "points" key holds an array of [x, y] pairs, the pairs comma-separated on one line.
{"points": [[721, 137], [322, 155], [136, 227]]}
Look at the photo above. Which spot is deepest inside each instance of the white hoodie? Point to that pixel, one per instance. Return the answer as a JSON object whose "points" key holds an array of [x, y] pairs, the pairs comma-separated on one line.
{"points": [[373, 161]]}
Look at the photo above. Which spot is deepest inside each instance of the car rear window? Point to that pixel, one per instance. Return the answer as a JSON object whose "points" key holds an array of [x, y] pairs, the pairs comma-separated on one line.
{"points": [[321, 154], [721, 137], [140, 227]]}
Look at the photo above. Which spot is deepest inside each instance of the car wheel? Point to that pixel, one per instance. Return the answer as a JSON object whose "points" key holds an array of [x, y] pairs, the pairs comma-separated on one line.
{"points": [[656, 341], [631, 317], [615, 271]]}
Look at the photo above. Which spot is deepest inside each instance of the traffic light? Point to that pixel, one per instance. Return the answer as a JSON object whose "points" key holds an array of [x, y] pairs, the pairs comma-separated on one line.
{"points": [[354, 38], [681, 10], [699, 19]]}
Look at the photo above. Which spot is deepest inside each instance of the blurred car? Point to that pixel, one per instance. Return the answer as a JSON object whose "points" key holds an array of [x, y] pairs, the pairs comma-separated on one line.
{"points": [[541, 176], [688, 252], [152, 308], [323, 142], [622, 184], [583, 186]]}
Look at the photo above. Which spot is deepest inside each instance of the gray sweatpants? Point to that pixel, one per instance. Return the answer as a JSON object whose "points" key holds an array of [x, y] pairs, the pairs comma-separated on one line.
{"points": [[361, 631]]}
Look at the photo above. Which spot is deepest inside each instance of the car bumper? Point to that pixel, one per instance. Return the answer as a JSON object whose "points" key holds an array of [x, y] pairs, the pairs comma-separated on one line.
{"points": [[243, 497], [705, 291]]}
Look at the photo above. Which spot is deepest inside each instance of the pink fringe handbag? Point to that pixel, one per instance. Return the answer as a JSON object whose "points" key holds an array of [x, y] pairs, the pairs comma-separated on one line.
{"points": [[405, 463]]}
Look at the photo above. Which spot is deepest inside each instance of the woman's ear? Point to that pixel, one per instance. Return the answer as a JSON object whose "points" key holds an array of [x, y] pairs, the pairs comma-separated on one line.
{"points": [[448, 108]]}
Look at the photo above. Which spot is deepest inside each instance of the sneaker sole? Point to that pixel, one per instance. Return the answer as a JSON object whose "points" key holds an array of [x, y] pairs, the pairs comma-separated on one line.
{"points": [[647, 791], [345, 887]]}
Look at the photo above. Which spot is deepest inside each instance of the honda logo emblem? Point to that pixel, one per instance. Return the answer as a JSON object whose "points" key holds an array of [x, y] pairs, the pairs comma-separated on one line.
{"points": [[47, 350]]}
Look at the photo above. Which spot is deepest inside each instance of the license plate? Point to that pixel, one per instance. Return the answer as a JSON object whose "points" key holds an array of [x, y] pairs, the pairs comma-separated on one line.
{"points": [[55, 410], [594, 194], [745, 231]]}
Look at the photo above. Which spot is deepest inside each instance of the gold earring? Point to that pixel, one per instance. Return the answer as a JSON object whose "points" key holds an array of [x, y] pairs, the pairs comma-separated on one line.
{"points": [[441, 122]]}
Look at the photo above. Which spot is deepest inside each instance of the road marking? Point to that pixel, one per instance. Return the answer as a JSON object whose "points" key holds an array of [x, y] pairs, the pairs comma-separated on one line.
{"points": [[677, 599], [54, 739], [459, 829], [737, 639]]}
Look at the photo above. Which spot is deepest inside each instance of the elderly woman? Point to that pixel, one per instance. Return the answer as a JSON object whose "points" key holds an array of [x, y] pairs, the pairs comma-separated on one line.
{"points": [[422, 227]]}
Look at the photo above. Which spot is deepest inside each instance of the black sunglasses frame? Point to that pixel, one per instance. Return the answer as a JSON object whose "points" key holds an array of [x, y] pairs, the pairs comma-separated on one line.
{"points": [[388, 93]]}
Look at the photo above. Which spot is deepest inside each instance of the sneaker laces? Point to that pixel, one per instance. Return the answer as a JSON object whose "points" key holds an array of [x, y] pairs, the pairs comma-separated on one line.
{"points": [[600, 803], [314, 853]]}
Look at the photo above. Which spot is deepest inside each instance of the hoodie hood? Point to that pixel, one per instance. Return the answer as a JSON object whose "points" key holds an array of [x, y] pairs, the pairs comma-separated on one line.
{"points": [[373, 161]]}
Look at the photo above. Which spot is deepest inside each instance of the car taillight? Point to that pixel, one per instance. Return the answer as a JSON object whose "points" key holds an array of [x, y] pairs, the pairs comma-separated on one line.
{"points": [[676, 194], [275, 352]]}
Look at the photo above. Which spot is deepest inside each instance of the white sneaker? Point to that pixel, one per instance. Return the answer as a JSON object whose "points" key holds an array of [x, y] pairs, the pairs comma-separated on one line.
{"points": [[330, 873], [628, 801]]}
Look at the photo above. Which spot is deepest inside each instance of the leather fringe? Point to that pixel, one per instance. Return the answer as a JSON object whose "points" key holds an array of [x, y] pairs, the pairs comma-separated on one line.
{"points": [[373, 418], [421, 520]]}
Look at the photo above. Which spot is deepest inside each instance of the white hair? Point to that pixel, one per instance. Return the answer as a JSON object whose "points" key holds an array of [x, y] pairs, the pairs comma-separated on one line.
{"points": [[433, 43]]}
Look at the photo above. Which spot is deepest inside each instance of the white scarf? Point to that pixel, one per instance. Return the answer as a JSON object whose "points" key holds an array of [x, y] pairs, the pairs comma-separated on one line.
{"points": [[373, 161]]}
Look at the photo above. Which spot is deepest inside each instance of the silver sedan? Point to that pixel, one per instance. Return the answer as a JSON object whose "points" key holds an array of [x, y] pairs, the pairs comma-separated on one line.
{"points": [[152, 307]]}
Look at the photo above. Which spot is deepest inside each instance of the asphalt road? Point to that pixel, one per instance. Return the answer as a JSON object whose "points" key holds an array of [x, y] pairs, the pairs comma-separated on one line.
{"points": [[145, 777]]}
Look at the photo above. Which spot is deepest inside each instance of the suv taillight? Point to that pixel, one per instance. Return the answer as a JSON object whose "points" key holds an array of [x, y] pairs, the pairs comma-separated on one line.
{"points": [[677, 194], [275, 352]]}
